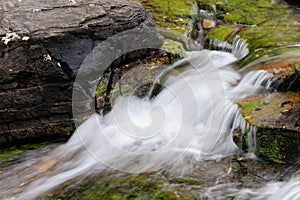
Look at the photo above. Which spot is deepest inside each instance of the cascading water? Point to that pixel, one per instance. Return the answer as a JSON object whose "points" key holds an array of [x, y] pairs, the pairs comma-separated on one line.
{"points": [[191, 120]]}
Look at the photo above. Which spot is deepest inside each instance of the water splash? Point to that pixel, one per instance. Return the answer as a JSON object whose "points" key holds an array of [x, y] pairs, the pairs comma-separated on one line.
{"points": [[191, 119]]}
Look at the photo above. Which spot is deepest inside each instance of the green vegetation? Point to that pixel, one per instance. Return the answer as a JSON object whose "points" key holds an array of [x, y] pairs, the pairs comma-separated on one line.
{"points": [[249, 107], [243, 11], [169, 14], [221, 33], [125, 186], [101, 89], [272, 152], [10, 155], [261, 22], [175, 49], [186, 181], [268, 146]]}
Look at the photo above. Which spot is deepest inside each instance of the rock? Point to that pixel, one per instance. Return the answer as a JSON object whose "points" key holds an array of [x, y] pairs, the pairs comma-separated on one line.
{"points": [[208, 24], [42, 46], [293, 2], [276, 114], [276, 117], [263, 24]]}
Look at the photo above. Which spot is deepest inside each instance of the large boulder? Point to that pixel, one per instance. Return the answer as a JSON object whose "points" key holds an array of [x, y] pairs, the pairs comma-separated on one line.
{"points": [[42, 45]]}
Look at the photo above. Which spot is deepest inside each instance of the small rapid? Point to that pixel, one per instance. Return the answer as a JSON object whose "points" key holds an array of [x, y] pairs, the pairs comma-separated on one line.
{"points": [[190, 120]]}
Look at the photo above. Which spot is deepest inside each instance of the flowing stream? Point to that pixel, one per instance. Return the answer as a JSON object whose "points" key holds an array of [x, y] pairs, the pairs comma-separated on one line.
{"points": [[190, 121]]}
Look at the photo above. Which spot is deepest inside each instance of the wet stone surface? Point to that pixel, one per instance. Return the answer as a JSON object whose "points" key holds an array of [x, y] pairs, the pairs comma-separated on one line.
{"points": [[42, 45]]}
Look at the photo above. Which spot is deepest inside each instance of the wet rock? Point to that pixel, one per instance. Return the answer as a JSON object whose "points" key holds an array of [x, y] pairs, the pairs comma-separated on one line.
{"points": [[293, 2], [276, 117], [42, 45], [262, 24], [208, 24], [276, 112]]}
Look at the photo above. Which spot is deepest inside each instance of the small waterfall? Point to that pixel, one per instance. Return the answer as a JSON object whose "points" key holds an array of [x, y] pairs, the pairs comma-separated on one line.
{"points": [[190, 120]]}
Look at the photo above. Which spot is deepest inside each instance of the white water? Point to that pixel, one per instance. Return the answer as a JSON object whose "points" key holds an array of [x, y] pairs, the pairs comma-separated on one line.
{"points": [[192, 119], [272, 191]]}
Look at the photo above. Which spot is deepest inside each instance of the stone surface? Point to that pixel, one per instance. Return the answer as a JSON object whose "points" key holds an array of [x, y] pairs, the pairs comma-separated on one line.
{"points": [[276, 113], [276, 117], [42, 45]]}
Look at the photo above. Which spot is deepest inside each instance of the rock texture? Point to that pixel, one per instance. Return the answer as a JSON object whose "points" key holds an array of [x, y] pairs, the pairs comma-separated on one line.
{"points": [[276, 115], [43, 44]]}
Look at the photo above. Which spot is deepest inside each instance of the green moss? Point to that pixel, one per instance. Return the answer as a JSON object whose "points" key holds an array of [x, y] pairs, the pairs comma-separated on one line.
{"points": [[278, 145], [174, 48], [221, 33], [70, 129], [267, 24], [268, 146], [249, 107], [170, 14], [12, 154], [101, 89], [272, 152], [187, 181], [271, 35], [115, 187], [243, 11]]}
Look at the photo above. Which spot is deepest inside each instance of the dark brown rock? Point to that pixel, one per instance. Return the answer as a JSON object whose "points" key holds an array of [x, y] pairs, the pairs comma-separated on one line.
{"points": [[43, 45]]}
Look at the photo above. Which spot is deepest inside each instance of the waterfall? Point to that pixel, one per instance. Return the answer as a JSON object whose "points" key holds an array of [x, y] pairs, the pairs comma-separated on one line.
{"points": [[190, 120]]}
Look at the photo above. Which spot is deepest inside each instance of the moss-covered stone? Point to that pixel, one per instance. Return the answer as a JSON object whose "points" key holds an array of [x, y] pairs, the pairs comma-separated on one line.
{"points": [[169, 14], [248, 108], [276, 117], [221, 33], [11, 155], [262, 23], [243, 11], [174, 48], [278, 145]]}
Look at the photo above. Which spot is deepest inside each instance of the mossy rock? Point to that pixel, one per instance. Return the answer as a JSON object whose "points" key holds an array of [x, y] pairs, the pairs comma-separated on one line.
{"points": [[278, 145], [170, 15], [276, 110], [276, 117], [262, 23], [174, 48], [221, 33], [13, 154]]}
